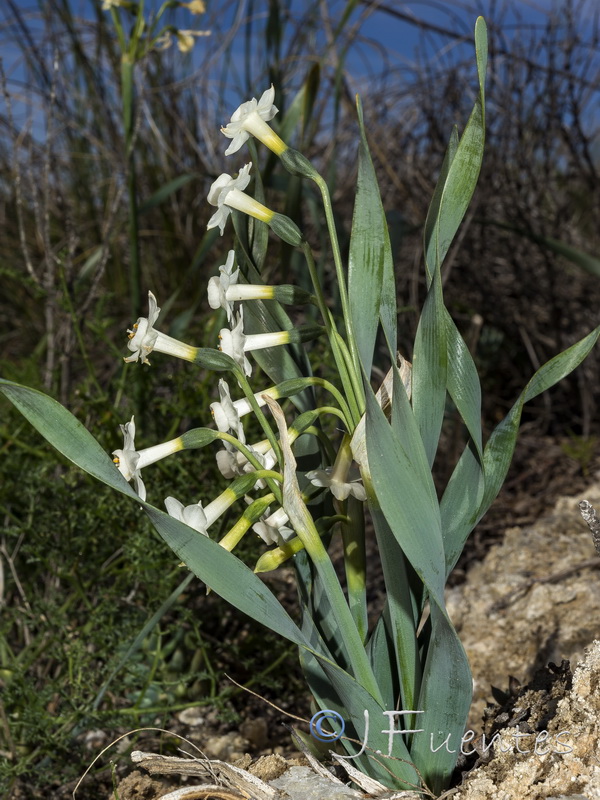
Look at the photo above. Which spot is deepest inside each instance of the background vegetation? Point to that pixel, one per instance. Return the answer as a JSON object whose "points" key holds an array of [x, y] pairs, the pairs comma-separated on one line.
{"points": [[82, 576]]}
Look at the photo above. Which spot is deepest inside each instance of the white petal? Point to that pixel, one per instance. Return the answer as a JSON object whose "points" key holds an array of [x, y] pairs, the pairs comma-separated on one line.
{"points": [[238, 141], [222, 182], [174, 508], [227, 464], [320, 477], [219, 218], [265, 107], [195, 517]]}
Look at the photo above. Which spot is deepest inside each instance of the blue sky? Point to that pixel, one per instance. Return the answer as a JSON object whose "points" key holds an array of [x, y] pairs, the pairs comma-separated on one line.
{"points": [[395, 34]]}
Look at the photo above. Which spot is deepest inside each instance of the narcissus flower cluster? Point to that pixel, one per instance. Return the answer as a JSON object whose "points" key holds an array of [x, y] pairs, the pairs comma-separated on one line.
{"points": [[251, 467]]}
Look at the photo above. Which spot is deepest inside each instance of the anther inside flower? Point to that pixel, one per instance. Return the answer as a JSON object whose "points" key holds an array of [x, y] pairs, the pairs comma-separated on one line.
{"points": [[127, 458], [251, 119], [144, 338], [130, 461]]}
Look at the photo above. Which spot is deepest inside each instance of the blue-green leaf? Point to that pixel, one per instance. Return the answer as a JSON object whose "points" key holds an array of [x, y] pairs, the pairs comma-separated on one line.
{"points": [[371, 285]]}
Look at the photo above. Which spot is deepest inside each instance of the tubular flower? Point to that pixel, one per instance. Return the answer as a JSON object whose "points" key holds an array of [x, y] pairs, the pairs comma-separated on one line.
{"points": [[227, 193], [144, 338], [128, 458], [233, 463], [193, 515], [224, 290], [273, 529], [235, 343], [225, 414], [251, 119], [341, 487], [130, 461], [241, 407], [343, 479], [218, 287], [198, 517]]}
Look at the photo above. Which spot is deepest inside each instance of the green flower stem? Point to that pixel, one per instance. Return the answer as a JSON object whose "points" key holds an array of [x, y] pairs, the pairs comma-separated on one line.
{"points": [[337, 259], [355, 559], [358, 394], [268, 431], [303, 524], [129, 56], [251, 515], [322, 437], [320, 297], [348, 375], [271, 477], [329, 387]]}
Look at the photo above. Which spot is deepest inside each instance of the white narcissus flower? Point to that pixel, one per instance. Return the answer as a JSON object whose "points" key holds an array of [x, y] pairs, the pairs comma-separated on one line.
{"points": [[341, 486], [225, 413], [232, 343], [227, 193], [217, 287], [130, 461], [219, 192], [144, 338], [127, 459], [240, 408], [233, 463], [251, 119], [164, 41], [193, 515], [235, 342], [273, 529]]}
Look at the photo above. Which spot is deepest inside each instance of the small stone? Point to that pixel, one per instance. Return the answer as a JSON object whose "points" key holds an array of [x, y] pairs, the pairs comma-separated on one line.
{"points": [[193, 716], [302, 783], [256, 731]]}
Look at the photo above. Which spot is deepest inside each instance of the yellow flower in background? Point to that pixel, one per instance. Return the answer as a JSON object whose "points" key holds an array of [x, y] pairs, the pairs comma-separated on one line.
{"points": [[195, 6], [186, 39]]}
